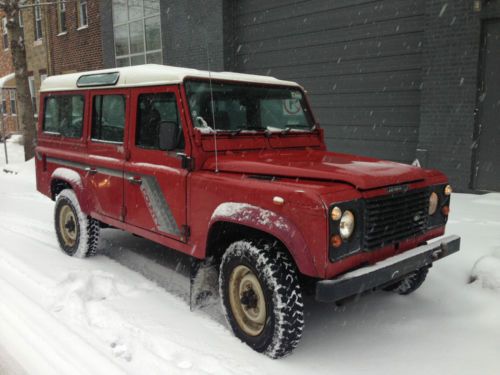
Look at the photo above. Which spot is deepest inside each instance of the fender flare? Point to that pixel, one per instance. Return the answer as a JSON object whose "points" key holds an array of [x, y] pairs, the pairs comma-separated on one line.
{"points": [[269, 222], [74, 179]]}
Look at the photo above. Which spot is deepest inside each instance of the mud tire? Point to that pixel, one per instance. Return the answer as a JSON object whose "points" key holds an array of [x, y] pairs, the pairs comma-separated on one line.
{"points": [[277, 276], [82, 237]]}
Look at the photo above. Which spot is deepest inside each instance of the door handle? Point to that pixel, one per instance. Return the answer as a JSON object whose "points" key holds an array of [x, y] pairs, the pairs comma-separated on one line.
{"points": [[91, 170], [135, 180]]}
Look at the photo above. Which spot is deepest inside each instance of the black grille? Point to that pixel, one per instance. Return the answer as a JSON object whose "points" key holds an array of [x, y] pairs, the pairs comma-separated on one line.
{"points": [[393, 218]]}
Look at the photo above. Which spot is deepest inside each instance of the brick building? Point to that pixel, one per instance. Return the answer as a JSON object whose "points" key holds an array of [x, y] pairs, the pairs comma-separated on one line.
{"points": [[8, 102], [35, 27], [75, 44]]}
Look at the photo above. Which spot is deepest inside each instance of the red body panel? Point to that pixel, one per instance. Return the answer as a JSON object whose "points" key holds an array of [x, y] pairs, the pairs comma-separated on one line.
{"points": [[308, 179]]}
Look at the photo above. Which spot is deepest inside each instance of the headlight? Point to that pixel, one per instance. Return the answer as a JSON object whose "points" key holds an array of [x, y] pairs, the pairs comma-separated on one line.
{"points": [[433, 203], [448, 190], [346, 226]]}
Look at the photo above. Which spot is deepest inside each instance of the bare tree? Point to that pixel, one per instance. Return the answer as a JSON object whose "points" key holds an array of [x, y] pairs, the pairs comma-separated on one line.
{"points": [[11, 9]]}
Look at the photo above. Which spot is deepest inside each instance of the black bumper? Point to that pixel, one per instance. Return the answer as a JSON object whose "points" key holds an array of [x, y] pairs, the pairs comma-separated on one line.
{"points": [[385, 272]]}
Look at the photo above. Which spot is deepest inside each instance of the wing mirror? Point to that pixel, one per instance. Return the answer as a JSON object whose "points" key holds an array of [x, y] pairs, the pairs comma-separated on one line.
{"points": [[168, 136]]}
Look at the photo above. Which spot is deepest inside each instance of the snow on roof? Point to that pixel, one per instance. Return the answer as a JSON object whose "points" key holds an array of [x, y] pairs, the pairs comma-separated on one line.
{"points": [[5, 79], [152, 74]]}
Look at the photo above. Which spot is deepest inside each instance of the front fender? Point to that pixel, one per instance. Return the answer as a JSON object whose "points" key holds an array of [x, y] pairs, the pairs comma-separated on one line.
{"points": [[272, 223]]}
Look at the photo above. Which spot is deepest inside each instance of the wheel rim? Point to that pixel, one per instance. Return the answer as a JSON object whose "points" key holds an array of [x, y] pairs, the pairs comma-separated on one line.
{"points": [[67, 226], [247, 301]]}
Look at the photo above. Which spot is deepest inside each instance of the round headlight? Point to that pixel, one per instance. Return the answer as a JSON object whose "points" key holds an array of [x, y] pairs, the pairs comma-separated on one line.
{"points": [[346, 226], [336, 213], [448, 190], [433, 203]]}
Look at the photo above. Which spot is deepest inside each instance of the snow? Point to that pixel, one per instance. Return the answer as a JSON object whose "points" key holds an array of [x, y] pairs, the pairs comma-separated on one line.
{"points": [[68, 175], [126, 311]]}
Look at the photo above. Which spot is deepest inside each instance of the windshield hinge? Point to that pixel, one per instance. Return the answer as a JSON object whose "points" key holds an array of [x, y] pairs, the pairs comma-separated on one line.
{"points": [[185, 233]]}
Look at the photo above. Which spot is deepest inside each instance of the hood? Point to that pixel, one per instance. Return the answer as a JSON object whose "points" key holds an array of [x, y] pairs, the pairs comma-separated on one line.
{"points": [[360, 172]]}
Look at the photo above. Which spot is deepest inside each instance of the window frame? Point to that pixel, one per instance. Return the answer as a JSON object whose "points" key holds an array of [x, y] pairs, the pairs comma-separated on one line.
{"points": [[128, 57], [37, 14], [5, 34], [83, 14], [13, 102], [62, 26]]}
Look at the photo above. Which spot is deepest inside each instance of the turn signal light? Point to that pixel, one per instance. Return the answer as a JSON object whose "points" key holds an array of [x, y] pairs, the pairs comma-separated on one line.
{"points": [[445, 210], [336, 241]]}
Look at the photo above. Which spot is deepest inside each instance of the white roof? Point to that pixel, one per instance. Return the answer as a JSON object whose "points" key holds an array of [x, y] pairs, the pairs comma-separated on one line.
{"points": [[151, 74]]}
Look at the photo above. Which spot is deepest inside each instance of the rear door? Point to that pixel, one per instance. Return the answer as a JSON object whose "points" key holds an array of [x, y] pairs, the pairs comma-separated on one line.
{"points": [[106, 151], [155, 182]]}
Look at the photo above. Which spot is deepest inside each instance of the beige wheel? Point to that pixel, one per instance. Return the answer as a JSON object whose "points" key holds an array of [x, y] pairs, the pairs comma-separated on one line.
{"points": [[77, 233], [67, 225], [247, 300]]}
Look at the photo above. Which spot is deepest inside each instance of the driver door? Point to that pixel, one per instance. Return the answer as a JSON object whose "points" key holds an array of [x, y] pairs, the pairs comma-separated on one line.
{"points": [[155, 182]]}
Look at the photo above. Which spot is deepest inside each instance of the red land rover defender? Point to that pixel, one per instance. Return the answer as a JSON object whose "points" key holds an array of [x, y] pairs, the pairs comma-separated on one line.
{"points": [[234, 168]]}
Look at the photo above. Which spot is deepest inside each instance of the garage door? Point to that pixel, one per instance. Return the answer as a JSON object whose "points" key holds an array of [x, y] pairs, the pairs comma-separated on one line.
{"points": [[360, 61], [488, 152]]}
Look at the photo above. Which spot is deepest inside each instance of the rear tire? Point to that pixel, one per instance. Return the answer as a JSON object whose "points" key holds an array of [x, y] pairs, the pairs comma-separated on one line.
{"points": [[261, 297], [410, 283], [77, 233]]}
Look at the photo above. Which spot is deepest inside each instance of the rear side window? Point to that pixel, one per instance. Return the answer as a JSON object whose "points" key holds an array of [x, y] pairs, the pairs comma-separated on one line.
{"points": [[108, 118], [63, 115]]}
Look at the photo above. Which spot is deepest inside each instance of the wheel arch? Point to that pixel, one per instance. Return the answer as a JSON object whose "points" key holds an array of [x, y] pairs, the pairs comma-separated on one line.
{"points": [[231, 222], [66, 178]]}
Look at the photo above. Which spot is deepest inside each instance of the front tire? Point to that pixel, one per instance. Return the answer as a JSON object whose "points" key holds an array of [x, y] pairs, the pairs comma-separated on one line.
{"points": [[77, 233], [261, 297]]}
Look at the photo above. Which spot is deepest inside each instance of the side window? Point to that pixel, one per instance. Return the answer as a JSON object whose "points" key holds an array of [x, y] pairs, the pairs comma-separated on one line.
{"points": [[63, 115], [108, 118], [152, 112]]}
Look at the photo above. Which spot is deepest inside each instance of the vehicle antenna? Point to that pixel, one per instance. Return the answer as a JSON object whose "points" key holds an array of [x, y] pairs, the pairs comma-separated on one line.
{"points": [[213, 109]]}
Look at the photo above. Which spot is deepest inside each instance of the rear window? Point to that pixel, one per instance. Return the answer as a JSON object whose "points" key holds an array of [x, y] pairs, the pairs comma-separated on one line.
{"points": [[63, 115]]}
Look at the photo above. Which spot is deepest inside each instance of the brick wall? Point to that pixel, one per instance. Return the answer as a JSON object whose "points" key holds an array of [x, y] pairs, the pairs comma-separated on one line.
{"points": [[6, 67], [79, 48], [450, 66]]}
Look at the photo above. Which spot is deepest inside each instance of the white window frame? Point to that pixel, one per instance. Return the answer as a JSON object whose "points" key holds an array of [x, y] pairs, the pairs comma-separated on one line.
{"points": [[61, 9], [13, 102], [83, 14], [5, 34], [31, 81], [143, 18], [38, 21]]}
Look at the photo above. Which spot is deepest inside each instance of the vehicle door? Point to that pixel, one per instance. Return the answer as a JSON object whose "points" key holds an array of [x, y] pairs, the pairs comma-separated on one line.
{"points": [[155, 182], [106, 151]]}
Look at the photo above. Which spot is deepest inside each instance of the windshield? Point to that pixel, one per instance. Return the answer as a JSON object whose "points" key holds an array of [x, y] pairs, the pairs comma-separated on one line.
{"points": [[244, 107]]}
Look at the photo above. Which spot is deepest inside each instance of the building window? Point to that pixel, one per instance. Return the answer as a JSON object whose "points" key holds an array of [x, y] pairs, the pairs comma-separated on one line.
{"points": [[137, 31], [21, 23], [38, 21], [5, 34], [13, 104], [61, 16], [31, 81], [82, 13]]}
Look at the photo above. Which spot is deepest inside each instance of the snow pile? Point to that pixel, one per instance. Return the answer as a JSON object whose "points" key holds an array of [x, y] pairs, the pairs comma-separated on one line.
{"points": [[486, 271]]}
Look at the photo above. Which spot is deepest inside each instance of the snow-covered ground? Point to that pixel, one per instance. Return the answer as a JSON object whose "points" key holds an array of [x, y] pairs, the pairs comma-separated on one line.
{"points": [[126, 312]]}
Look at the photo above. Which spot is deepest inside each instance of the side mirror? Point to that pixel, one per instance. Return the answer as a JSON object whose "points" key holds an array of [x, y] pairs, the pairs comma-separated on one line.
{"points": [[168, 136]]}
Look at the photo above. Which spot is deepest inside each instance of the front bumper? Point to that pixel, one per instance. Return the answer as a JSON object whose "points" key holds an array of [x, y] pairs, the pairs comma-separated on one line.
{"points": [[385, 272]]}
